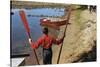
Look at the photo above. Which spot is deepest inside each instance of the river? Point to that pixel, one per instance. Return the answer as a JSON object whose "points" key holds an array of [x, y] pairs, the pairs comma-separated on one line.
{"points": [[19, 40]]}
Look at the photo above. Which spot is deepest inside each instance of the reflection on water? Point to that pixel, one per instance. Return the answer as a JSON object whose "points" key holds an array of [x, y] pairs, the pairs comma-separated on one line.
{"points": [[19, 42]]}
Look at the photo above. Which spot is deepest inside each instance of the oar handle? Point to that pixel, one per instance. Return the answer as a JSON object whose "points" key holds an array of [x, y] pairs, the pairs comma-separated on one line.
{"points": [[29, 35]]}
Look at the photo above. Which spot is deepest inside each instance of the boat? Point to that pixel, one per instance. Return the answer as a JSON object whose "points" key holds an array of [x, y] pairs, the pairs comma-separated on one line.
{"points": [[53, 22]]}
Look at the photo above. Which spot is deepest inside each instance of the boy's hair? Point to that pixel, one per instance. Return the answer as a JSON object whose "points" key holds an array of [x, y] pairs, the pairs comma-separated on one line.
{"points": [[45, 30]]}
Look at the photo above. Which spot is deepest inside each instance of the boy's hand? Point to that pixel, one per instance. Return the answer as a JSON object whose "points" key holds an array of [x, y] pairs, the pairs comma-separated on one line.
{"points": [[30, 40]]}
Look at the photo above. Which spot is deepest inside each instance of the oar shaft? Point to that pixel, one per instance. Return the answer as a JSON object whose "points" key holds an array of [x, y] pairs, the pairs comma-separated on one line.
{"points": [[68, 17]]}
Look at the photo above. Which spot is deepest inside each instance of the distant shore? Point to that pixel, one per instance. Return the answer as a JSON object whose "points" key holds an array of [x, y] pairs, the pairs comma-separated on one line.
{"points": [[30, 5]]}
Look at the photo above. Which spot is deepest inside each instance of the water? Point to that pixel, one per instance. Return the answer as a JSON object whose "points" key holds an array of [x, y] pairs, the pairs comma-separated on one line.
{"points": [[19, 42]]}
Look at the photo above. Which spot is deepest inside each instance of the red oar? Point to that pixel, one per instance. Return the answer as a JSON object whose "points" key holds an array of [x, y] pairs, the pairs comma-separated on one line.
{"points": [[24, 21]]}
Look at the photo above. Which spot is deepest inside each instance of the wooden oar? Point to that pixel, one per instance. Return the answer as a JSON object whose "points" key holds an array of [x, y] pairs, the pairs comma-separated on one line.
{"points": [[68, 17], [25, 23]]}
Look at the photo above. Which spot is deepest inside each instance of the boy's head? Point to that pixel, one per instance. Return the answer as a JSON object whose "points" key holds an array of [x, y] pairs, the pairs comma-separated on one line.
{"points": [[45, 30]]}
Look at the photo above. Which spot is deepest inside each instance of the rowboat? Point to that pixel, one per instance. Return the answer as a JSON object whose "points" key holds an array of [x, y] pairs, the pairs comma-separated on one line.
{"points": [[53, 23]]}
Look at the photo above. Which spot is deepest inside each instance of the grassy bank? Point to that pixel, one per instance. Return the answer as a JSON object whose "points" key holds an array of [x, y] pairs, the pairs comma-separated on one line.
{"points": [[77, 17]]}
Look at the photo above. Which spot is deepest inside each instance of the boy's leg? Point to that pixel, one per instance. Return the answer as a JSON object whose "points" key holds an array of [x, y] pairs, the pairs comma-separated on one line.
{"points": [[47, 56]]}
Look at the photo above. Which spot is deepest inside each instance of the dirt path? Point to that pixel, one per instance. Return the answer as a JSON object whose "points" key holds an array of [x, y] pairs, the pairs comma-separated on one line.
{"points": [[79, 37]]}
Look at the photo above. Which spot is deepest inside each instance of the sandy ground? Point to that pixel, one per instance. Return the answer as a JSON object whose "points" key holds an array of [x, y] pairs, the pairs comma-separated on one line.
{"points": [[79, 38]]}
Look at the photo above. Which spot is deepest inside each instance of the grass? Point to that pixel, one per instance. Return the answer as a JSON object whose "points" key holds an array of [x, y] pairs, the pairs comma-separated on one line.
{"points": [[77, 17]]}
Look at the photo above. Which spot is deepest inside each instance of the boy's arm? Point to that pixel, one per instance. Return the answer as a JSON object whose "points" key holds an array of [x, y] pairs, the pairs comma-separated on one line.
{"points": [[58, 41], [36, 44]]}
